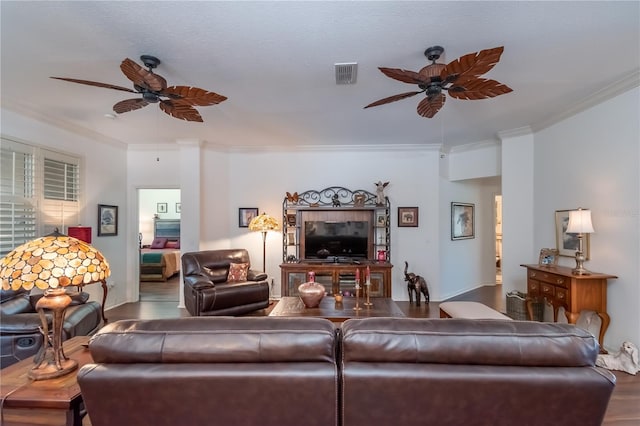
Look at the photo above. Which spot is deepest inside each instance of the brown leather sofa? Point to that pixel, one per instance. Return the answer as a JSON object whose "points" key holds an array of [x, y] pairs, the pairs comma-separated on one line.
{"points": [[20, 335], [213, 371], [378, 371], [470, 372], [207, 290]]}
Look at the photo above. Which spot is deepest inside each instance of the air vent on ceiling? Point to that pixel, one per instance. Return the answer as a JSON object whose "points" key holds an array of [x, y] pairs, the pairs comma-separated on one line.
{"points": [[346, 72]]}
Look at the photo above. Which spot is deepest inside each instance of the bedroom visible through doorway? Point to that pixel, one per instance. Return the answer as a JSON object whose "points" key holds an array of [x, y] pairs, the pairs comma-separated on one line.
{"points": [[159, 243]]}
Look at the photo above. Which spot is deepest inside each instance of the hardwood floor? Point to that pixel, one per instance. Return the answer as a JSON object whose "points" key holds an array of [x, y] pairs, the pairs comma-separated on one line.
{"points": [[624, 406]]}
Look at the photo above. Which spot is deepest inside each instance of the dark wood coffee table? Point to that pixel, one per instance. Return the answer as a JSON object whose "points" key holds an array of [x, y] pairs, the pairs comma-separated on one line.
{"points": [[47, 402], [337, 312]]}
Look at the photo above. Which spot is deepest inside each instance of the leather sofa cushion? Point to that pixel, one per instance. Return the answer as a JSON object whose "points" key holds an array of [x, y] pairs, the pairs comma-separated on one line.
{"points": [[214, 260], [466, 341], [17, 304], [25, 323], [216, 340]]}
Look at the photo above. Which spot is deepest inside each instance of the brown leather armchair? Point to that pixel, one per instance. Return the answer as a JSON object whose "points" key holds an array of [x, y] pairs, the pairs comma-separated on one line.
{"points": [[208, 291], [20, 335]]}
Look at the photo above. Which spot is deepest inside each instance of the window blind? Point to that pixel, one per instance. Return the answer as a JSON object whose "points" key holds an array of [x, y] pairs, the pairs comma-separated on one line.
{"points": [[40, 192]]}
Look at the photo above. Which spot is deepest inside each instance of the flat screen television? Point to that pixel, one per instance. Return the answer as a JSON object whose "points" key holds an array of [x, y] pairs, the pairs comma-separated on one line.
{"points": [[332, 238]]}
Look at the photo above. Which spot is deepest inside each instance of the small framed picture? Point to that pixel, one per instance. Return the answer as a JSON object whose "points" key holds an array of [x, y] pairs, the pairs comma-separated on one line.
{"points": [[107, 220], [291, 238], [381, 219], [408, 216], [462, 221], [245, 214], [567, 244], [291, 219], [178, 207], [162, 207], [548, 257]]}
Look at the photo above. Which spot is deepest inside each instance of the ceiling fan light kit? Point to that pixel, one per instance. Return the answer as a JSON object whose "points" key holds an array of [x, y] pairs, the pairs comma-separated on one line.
{"points": [[460, 78], [176, 101]]}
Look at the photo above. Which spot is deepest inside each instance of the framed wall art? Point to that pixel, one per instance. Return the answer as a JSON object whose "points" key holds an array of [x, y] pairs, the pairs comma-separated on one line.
{"points": [[408, 216], [161, 207], [245, 214], [462, 221], [567, 244], [548, 257], [107, 220]]}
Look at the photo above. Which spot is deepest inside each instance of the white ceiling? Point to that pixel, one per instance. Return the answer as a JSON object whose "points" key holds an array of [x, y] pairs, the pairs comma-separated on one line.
{"points": [[275, 63]]}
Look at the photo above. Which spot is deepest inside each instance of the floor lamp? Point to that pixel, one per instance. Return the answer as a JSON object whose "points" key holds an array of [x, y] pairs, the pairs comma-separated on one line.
{"points": [[263, 223]]}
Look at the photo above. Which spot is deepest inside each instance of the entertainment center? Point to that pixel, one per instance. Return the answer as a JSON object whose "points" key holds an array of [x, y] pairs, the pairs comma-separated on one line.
{"points": [[334, 232]]}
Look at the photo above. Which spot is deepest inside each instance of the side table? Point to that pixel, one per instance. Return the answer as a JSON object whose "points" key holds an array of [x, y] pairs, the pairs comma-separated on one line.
{"points": [[46, 402]]}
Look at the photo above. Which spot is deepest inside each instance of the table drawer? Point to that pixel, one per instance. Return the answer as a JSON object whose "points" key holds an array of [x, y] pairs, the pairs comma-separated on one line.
{"points": [[549, 278], [562, 296], [533, 288], [547, 290]]}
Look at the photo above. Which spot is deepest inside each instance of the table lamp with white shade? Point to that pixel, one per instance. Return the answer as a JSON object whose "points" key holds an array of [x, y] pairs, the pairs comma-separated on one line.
{"points": [[580, 223]]}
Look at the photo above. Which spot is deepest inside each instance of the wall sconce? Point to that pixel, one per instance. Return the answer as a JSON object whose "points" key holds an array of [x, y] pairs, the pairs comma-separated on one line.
{"points": [[580, 223]]}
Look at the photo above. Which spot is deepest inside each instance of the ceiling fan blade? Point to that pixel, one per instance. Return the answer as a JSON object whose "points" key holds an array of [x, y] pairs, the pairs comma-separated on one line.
{"points": [[429, 106], [193, 95], [129, 105], [95, 83], [472, 64], [180, 110], [404, 76], [393, 98], [478, 88], [141, 76]]}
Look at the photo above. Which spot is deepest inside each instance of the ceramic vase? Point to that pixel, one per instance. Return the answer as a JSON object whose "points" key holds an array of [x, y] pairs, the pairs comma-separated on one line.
{"points": [[311, 293]]}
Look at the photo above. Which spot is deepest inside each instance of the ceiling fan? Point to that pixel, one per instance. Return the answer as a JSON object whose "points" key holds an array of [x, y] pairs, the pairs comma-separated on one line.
{"points": [[177, 101], [461, 78]]}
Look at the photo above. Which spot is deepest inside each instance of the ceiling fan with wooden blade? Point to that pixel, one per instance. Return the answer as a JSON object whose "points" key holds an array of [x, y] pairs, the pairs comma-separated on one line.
{"points": [[461, 78], [177, 101]]}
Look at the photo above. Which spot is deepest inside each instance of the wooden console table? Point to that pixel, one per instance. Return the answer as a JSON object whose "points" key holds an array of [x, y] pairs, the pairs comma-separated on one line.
{"points": [[336, 277], [46, 402], [576, 293]]}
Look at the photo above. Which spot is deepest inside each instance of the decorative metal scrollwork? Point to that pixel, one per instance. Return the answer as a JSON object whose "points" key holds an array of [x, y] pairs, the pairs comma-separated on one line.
{"points": [[334, 196]]}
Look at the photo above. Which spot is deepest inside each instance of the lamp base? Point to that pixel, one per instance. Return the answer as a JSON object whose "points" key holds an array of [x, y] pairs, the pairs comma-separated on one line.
{"points": [[579, 269], [50, 370], [51, 362]]}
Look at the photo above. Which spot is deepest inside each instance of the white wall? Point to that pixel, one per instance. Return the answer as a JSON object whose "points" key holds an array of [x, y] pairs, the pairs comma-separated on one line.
{"points": [[591, 160], [469, 263], [262, 180], [103, 183]]}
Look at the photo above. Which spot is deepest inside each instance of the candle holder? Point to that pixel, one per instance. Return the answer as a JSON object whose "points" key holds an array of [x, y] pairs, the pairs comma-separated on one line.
{"points": [[357, 307], [368, 291]]}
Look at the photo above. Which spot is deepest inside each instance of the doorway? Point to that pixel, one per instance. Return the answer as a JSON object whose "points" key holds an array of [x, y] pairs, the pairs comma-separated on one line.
{"points": [[159, 212], [498, 227]]}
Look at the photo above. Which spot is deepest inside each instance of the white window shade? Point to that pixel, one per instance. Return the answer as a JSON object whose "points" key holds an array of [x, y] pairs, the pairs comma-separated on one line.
{"points": [[39, 192], [60, 207], [18, 221]]}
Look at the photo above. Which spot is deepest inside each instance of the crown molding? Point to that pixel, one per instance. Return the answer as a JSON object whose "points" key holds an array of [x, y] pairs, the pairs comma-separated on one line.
{"points": [[334, 148], [64, 125], [626, 83]]}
